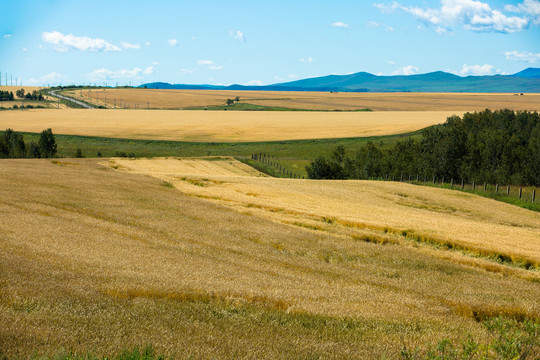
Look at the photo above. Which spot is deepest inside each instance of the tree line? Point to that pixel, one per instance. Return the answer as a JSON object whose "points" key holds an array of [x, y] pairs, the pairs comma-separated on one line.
{"points": [[34, 95], [6, 95], [12, 145], [499, 146]]}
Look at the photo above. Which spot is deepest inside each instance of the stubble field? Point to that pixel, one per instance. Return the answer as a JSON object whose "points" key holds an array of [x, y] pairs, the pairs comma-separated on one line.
{"points": [[100, 258], [308, 100]]}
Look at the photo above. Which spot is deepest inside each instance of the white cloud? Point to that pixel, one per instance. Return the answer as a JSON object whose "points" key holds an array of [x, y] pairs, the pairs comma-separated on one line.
{"points": [[477, 70], [238, 35], [292, 76], [187, 71], [172, 42], [127, 45], [308, 60], [51, 79], [406, 70], [522, 56], [341, 24], [530, 8], [473, 15], [7, 36], [105, 74], [375, 25], [147, 43], [24, 49], [205, 62], [63, 42], [215, 67], [255, 83], [155, 63]]}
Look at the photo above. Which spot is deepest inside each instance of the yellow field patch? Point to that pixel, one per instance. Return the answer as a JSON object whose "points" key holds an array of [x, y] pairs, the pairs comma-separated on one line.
{"points": [[95, 260], [226, 126], [437, 216], [177, 99]]}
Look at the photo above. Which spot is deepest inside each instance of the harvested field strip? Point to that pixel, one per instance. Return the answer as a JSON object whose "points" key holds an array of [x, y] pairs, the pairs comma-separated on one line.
{"points": [[175, 99], [220, 126]]}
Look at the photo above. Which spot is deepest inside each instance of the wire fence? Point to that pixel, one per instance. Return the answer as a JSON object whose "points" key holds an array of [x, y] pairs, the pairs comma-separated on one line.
{"points": [[523, 193]]}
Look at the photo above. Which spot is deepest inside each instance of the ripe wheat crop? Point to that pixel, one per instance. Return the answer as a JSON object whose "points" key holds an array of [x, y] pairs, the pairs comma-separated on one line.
{"points": [[95, 259], [225, 126]]}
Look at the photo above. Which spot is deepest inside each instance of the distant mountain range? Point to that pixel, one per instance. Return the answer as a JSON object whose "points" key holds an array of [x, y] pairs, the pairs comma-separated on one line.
{"points": [[526, 81]]}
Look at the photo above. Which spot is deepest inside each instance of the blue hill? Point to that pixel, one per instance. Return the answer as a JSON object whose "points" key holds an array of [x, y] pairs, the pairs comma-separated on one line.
{"points": [[526, 81]]}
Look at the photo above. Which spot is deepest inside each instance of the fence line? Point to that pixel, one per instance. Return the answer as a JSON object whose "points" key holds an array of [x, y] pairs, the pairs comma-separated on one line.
{"points": [[519, 192]]}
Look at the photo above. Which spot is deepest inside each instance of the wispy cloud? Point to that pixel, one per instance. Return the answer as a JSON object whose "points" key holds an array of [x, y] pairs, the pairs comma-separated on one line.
{"points": [[530, 8], [51, 79], [63, 42], [106, 74], [255, 83], [524, 56], [172, 42], [127, 45], [306, 60], [374, 25], [341, 24], [477, 70], [205, 62], [238, 35], [406, 70], [215, 67], [7, 36], [473, 15]]}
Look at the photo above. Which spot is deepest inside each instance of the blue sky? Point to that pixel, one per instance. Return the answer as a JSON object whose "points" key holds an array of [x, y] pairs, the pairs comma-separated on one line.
{"points": [[262, 42]]}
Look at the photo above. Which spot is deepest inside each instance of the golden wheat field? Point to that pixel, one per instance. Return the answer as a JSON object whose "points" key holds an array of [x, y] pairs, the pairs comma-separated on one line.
{"points": [[15, 88], [378, 208], [97, 258], [179, 99], [226, 126]]}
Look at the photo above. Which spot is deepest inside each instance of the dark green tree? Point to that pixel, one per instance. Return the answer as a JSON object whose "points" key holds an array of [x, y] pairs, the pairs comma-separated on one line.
{"points": [[47, 144]]}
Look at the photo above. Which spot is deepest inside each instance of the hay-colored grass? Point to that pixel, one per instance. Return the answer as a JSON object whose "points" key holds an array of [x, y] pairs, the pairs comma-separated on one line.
{"points": [[99, 260], [440, 216], [175, 99], [15, 88], [226, 126]]}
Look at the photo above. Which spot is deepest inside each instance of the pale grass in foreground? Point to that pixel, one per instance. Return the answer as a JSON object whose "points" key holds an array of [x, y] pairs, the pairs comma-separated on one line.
{"points": [[99, 260], [446, 216]]}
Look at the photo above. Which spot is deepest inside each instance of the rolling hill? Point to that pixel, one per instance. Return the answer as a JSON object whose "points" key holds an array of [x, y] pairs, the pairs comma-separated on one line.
{"points": [[527, 81]]}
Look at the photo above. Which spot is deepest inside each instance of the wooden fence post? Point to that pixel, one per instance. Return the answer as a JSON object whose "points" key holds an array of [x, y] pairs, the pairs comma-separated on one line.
{"points": [[485, 186], [452, 182], [434, 179], [473, 185], [497, 188], [508, 190], [462, 183], [520, 189], [533, 195]]}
